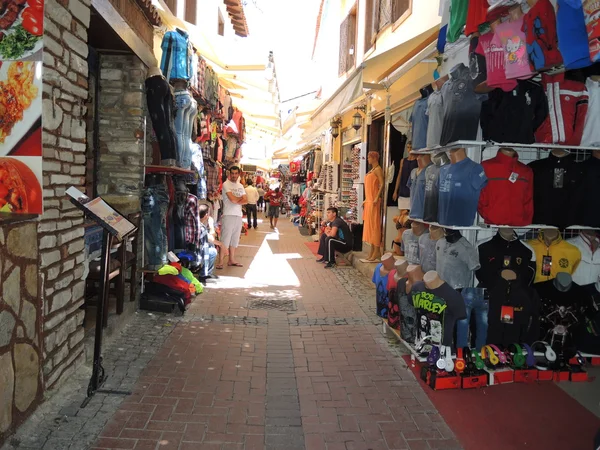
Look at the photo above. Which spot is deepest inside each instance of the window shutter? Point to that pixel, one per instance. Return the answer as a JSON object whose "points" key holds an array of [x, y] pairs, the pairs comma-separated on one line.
{"points": [[368, 25], [172, 4], [385, 14], [375, 21], [399, 8], [190, 11], [351, 58], [343, 46]]}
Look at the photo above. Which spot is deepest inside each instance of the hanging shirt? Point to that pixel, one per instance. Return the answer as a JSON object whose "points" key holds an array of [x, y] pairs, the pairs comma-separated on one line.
{"points": [[476, 15], [591, 129], [507, 199], [456, 262], [589, 209], [192, 221], [432, 192], [588, 269], [437, 311], [591, 12], [539, 26], [417, 194], [410, 247], [460, 186], [458, 18], [176, 60], [572, 34], [559, 256], [462, 107], [420, 121], [510, 36], [427, 252], [435, 113], [381, 292], [406, 167], [493, 51]]}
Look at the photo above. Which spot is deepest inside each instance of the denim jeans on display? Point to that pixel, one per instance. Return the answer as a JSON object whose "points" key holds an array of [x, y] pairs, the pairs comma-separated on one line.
{"points": [[155, 202], [474, 303], [160, 107], [183, 132], [192, 115]]}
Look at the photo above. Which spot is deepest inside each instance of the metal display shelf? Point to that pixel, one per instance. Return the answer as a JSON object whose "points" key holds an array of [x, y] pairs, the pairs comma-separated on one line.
{"points": [[485, 226], [167, 170], [483, 144]]}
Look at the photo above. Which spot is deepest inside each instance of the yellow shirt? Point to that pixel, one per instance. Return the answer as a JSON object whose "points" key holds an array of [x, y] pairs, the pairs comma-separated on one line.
{"points": [[560, 256]]}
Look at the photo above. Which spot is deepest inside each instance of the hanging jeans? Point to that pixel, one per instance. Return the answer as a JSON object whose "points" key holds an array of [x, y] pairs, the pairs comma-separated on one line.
{"points": [[160, 107], [477, 304], [155, 202], [251, 215], [183, 131]]}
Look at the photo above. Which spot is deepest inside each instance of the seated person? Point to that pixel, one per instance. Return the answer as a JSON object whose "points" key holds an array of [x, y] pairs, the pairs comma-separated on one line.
{"points": [[209, 244], [336, 237]]}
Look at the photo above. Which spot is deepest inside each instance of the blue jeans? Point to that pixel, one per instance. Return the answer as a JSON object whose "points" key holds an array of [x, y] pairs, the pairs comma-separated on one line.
{"points": [[474, 303], [183, 132], [210, 256], [155, 202]]}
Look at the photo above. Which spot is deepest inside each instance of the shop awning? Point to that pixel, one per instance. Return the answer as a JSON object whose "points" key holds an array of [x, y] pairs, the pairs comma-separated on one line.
{"points": [[368, 76]]}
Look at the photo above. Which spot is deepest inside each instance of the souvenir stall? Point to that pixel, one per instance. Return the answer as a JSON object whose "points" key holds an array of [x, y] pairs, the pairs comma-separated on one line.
{"points": [[500, 277], [197, 133]]}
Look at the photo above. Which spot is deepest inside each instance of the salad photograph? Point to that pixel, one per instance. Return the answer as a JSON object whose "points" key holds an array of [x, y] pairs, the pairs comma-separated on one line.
{"points": [[21, 28]]}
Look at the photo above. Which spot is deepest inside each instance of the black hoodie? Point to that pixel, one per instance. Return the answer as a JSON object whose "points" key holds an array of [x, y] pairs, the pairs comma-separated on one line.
{"points": [[524, 304]]}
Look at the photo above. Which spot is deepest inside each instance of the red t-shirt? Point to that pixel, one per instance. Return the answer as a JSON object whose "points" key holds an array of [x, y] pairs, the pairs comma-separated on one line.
{"points": [[274, 198]]}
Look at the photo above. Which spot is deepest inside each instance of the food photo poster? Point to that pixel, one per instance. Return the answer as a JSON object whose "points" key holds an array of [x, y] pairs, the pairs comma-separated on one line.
{"points": [[21, 47]]}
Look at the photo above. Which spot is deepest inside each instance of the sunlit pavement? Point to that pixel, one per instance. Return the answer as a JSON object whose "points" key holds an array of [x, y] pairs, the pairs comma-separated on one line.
{"points": [[319, 377]]}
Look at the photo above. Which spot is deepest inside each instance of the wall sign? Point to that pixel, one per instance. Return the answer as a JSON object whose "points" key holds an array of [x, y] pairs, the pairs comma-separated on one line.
{"points": [[21, 108]]}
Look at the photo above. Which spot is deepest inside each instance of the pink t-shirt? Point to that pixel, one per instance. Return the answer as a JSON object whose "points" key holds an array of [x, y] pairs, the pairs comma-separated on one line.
{"points": [[494, 63], [392, 283], [513, 41]]}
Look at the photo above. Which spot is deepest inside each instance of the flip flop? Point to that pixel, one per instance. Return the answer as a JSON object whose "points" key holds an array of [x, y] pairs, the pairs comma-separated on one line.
{"points": [[235, 265], [218, 266]]}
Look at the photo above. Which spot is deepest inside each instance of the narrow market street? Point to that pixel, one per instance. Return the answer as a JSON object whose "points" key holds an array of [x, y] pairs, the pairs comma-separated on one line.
{"points": [[228, 377]]}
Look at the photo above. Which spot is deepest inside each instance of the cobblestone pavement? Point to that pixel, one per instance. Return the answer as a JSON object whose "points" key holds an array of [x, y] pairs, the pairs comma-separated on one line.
{"points": [[226, 376]]}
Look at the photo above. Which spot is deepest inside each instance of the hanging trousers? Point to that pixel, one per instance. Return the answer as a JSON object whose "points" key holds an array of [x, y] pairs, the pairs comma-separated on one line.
{"points": [[160, 107]]}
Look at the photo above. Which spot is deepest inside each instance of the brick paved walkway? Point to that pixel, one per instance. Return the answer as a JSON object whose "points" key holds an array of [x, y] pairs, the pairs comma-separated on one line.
{"points": [[320, 377]]}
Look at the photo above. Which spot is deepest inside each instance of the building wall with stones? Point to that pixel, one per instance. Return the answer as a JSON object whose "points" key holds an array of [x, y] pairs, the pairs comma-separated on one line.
{"points": [[121, 129], [20, 326], [60, 230]]}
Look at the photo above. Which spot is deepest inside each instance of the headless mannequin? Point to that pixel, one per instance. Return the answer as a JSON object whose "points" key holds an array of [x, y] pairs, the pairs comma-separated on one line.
{"points": [[508, 152], [457, 155], [414, 273], [401, 265], [418, 228], [432, 280], [559, 153], [422, 162], [592, 237], [563, 282], [387, 261], [508, 234], [550, 235], [440, 159], [596, 154], [508, 275], [426, 91], [160, 106], [436, 233], [452, 236]]}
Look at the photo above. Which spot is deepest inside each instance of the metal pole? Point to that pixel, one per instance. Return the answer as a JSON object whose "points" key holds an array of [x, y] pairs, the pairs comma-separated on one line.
{"points": [[386, 163]]}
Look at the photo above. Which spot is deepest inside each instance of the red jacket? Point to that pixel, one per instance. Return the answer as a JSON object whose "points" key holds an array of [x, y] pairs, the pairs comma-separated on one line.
{"points": [[567, 108], [502, 201]]}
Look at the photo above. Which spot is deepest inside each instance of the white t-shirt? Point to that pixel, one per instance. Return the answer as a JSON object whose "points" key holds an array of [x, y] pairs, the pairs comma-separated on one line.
{"points": [[237, 189], [252, 195]]}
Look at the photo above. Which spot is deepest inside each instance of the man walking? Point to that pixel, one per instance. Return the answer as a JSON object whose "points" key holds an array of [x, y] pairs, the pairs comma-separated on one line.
{"points": [[337, 236], [234, 196], [261, 198], [275, 198], [251, 207]]}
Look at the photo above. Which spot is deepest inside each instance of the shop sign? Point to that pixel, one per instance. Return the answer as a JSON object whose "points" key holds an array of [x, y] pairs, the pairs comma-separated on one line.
{"points": [[350, 136], [21, 108]]}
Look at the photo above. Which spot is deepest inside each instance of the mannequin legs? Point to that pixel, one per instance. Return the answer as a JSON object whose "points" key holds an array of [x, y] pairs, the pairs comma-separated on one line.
{"points": [[160, 101], [374, 254]]}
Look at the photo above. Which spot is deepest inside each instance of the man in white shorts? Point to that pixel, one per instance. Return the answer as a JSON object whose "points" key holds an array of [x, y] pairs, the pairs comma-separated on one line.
{"points": [[234, 196]]}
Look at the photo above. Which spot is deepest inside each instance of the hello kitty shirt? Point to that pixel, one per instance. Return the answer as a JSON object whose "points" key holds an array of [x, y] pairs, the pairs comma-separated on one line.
{"points": [[510, 35]]}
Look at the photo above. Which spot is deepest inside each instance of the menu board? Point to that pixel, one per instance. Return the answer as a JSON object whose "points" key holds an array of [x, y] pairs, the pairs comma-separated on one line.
{"points": [[21, 46]]}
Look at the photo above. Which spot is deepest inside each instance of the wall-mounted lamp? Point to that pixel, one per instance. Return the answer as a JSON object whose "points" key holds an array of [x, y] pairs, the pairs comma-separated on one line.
{"points": [[335, 125], [357, 120]]}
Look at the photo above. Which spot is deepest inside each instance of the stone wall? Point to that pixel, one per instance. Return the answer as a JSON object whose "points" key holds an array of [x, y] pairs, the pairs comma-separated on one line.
{"points": [[121, 116], [60, 231], [20, 325]]}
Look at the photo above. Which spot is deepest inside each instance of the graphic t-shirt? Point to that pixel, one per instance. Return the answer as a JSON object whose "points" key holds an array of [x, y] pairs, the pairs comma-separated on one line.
{"points": [[512, 39], [460, 186], [427, 252], [343, 230], [437, 311], [572, 34], [408, 322], [456, 262], [494, 62], [432, 190], [591, 129], [274, 198], [420, 121], [410, 247], [591, 12], [539, 26], [230, 208], [417, 194], [381, 292]]}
